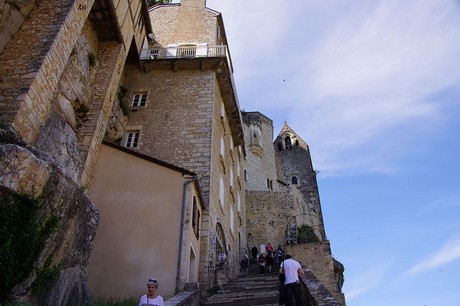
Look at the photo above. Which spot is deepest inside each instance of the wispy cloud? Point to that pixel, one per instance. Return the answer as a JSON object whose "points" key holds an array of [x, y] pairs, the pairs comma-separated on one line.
{"points": [[369, 82], [367, 281], [448, 253], [359, 76]]}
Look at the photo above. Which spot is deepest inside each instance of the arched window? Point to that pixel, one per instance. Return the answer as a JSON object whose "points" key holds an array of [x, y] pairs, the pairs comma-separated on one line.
{"points": [[294, 180], [288, 142], [220, 240]]}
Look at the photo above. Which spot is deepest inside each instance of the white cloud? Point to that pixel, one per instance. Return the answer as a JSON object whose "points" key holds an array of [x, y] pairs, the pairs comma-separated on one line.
{"points": [[367, 281], [448, 253], [359, 76]]}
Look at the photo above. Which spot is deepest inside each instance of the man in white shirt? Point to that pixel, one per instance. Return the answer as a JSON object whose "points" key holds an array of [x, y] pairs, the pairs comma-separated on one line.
{"points": [[291, 270]]}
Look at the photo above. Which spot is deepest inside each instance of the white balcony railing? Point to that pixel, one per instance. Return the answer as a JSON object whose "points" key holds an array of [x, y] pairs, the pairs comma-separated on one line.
{"points": [[202, 50]]}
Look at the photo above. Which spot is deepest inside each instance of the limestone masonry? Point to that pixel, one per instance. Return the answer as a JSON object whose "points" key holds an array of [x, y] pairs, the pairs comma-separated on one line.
{"points": [[126, 120]]}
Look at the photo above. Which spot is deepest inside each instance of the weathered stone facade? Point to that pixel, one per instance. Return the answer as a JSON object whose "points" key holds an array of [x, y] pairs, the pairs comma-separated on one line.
{"points": [[260, 167], [318, 258], [61, 62], [191, 119], [276, 216], [60, 97]]}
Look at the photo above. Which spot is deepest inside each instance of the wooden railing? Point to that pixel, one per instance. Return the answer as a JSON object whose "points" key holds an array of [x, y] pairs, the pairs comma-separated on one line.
{"points": [[184, 52]]}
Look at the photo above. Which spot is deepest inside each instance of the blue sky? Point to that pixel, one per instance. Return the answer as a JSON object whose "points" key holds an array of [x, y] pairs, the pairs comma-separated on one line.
{"points": [[374, 88]]}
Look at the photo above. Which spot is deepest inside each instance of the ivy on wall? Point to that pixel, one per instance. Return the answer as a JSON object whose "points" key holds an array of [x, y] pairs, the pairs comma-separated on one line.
{"points": [[23, 233]]}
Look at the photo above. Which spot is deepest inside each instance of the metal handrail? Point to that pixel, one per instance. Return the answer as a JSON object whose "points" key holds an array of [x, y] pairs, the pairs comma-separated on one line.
{"points": [[184, 52]]}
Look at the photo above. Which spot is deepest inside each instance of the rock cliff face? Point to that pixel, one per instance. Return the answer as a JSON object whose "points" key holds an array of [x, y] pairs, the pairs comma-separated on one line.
{"points": [[29, 170]]}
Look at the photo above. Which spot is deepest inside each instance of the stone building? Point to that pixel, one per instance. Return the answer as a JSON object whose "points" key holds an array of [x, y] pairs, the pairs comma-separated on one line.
{"points": [[183, 110], [116, 112], [282, 199], [61, 65], [281, 188]]}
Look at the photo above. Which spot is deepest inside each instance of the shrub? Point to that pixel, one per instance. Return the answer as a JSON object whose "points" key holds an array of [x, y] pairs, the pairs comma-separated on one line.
{"points": [[306, 234]]}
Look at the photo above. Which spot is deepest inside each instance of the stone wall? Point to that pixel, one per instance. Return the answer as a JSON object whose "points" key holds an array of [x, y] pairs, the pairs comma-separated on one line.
{"points": [[260, 163], [30, 77], [184, 24], [12, 15], [296, 161], [318, 259], [267, 215], [181, 124]]}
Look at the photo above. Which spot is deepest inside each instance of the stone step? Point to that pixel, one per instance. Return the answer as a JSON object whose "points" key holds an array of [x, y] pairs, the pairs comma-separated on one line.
{"points": [[255, 290]]}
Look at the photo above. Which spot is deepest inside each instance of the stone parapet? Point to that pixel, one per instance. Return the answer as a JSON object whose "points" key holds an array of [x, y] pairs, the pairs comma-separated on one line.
{"points": [[318, 259], [111, 57], [29, 78]]}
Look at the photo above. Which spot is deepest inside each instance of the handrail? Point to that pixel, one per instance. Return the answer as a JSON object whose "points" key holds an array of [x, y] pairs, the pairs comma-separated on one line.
{"points": [[184, 52]]}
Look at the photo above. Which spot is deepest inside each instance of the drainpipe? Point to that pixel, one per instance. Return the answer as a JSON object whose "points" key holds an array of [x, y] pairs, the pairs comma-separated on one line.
{"points": [[181, 232]]}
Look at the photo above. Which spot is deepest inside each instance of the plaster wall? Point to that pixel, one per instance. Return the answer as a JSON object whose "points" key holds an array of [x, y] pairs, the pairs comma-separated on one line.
{"points": [[140, 206]]}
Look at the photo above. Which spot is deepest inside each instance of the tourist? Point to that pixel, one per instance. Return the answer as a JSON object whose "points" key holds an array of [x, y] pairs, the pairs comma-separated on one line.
{"points": [[270, 261], [278, 254], [151, 298], [254, 253], [269, 248], [291, 270], [244, 266], [262, 263]]}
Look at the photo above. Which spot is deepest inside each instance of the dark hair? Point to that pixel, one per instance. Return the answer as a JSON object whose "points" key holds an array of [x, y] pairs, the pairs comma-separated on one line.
{"points": [[287, 256]]}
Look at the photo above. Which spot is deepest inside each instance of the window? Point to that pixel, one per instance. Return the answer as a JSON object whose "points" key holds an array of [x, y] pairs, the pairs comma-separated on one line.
{"points": [[231, 177], [221, 191], [140, 22], [139, 99], [245, 176], [222, 146], [232, 219], [269, 184], [288, 142], [238, 201], [132, 141], [294, 180], [196, 219], [222, 111]]}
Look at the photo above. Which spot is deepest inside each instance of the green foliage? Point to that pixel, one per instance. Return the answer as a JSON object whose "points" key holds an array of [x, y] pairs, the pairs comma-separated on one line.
{"points": [[81, 112], [23, 233], [91, 59], [46, 275], [121, 95], [153, 2], [306, 234]]}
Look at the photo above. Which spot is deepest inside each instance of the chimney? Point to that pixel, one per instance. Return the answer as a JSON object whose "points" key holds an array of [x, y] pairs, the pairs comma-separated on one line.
{"points": [[193, 3]]}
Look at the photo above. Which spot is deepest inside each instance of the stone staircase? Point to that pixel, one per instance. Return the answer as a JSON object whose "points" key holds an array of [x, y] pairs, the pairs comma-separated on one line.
{"points": [[255, 290]]}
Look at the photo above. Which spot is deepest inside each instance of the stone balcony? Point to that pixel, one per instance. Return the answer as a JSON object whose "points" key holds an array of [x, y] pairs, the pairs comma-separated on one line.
{"points": [[188, 51]]}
